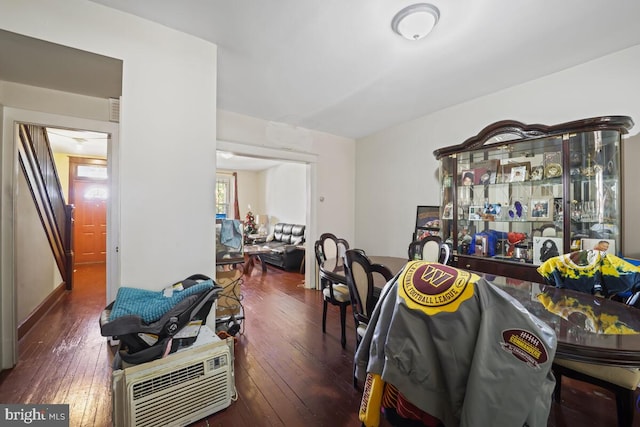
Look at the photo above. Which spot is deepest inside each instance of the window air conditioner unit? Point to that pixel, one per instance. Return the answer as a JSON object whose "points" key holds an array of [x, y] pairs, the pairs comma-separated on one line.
{"points": [[178, 390]]}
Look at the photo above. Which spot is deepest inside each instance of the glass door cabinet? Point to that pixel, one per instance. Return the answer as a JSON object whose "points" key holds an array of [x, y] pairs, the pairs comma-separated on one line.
{"points": [[515, 194]]}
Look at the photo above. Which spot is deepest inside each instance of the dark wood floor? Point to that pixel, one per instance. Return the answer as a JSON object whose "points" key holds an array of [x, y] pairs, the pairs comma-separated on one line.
{"points": [[287, 372]]}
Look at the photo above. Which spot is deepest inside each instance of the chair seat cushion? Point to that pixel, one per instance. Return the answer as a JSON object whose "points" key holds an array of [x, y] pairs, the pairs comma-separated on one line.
{"points": [[340, 293], [624, 377]]}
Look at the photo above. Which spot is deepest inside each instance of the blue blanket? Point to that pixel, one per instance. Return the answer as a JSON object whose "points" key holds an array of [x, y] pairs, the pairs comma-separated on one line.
{"points": [[151, 305]]}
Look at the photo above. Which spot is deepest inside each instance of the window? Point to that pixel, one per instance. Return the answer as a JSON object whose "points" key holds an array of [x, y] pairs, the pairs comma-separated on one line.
{"points": [[91, 171], [224, 196]]}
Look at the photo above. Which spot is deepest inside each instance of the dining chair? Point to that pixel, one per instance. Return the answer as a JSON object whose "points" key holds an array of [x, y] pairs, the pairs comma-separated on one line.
{"points": [[621, 381], [326, 247], [430, 248], [361, 278]]}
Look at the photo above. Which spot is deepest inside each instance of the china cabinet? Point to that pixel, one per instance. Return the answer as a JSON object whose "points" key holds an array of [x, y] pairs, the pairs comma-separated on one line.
{"points": [[516, 194]]}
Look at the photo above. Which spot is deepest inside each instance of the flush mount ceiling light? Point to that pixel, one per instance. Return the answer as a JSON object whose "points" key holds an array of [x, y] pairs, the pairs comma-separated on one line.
{"points": [[415, 21]]}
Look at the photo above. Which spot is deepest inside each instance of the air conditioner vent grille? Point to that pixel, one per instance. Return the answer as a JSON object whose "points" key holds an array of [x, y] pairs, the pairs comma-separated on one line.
{"points": [[178, 390], [182, 401], [157, 384], [114, 110]]}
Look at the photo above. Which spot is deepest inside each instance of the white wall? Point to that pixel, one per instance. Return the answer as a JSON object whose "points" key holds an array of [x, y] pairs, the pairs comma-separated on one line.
{"points": [[34, 284], [284, 191], [168, 129], [396, 169], [334, 180]]}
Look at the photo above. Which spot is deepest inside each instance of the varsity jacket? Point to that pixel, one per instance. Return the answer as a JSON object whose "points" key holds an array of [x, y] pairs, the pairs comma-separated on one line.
{"points": [[460, 349]]}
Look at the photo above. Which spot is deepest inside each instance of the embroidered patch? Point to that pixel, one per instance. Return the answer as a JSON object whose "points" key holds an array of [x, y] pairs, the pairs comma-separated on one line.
{"points": [[433, 288], [525, 346]]}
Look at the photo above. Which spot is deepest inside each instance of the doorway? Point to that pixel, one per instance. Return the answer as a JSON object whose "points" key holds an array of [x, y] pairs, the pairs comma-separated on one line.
{"points": [[88, 193], [12, 117], [279, 155]]}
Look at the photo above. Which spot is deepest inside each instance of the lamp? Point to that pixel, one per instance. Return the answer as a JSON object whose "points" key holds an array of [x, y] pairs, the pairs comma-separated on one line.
{"points": [[415, 21]]}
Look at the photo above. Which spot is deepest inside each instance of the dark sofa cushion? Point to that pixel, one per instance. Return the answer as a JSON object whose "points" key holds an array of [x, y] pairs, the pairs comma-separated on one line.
{"points": [[284, 254]]}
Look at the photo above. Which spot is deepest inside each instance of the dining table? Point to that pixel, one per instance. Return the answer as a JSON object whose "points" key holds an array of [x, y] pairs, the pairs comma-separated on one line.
{"points": [[589, 328]]}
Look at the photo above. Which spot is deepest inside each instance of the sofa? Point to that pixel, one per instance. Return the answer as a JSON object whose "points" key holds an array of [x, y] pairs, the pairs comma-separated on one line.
{"points": [[283, 242]]}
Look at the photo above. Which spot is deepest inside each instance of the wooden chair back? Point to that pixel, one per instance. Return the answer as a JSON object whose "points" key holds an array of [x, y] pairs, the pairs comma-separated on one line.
{"points": [[430, 248]]}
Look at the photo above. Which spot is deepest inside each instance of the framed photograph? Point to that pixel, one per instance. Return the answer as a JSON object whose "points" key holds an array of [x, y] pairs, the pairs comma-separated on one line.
{"points": [[475, 212], [481, 176], [447, 212], [427, 222], [537, 173], [518, 174], [491, 164], [467, 177], [422, 233], [602, 245], [508, 174], [492, 209], [428, 217], [545, 248], [485, 171], [541, 209]]}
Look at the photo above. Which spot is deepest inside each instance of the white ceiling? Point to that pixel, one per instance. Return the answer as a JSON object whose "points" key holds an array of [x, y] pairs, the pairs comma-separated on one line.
{"points": [[336, 66], [77, 142]]}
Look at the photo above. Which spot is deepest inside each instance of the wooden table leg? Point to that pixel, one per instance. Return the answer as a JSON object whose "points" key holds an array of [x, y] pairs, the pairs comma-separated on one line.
{"points": [[248, 264], [264, 264]]}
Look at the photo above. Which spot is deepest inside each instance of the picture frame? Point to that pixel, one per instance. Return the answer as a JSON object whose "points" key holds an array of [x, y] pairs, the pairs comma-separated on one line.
{"points": [[428, 217], [447, 212], [475, 212], [481, 176], [485, 171], [508, 174], [597, 243], [537, 173], [541, 209], [467, 177], [545, 248], [427, 222], [518, 174], [493, 209], [421, 233]]}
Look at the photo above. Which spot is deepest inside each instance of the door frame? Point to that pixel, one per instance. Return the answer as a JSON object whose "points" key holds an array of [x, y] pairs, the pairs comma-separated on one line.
{"points": [[74, 162], [310, 160], [9, 170]]}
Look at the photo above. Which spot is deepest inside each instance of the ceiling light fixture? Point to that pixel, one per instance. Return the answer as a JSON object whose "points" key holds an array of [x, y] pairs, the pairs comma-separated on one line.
{"points": [[415, 21]]}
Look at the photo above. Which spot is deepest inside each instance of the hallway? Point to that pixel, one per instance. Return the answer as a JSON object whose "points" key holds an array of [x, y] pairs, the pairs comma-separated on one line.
{"points": [[64, 359]]}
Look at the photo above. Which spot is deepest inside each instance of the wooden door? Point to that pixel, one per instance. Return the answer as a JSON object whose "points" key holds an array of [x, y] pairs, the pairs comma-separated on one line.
{"points": [[89, 196]]}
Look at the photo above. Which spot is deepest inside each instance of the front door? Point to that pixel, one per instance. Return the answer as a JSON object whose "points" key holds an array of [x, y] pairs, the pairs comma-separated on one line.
{"points": [[88, 192]]}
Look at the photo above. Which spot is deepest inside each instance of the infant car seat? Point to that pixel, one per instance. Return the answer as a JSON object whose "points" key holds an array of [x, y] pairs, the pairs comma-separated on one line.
{"points": [[146, 322]]}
